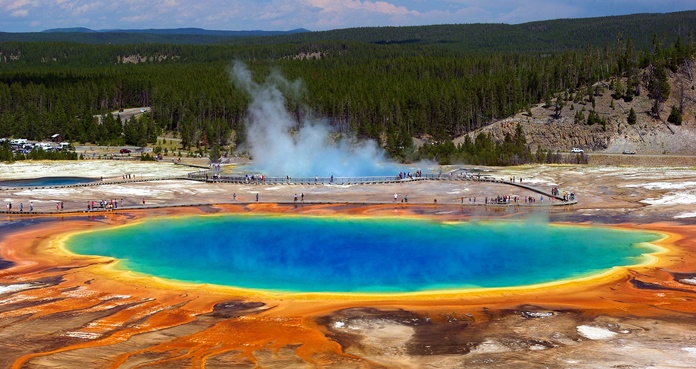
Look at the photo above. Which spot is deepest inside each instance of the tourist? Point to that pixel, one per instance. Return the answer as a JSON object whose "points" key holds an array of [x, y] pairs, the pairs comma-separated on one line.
{"points": [[234, 196], [21, 207], [143, 201], [257, 197], [406, 198], [302, 197], [395, 197], [31, 206], [294, 199]]}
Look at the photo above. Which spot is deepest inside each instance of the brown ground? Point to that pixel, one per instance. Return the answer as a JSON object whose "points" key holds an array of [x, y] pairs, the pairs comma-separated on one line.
{"points": [[69, 311]]}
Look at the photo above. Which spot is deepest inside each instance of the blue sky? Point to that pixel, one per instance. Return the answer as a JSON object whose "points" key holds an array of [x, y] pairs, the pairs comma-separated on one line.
{"points": [[315, 15]]}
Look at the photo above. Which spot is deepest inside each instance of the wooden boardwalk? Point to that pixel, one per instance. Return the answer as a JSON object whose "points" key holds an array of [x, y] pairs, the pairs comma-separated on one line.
{"points": [[214, 177]]}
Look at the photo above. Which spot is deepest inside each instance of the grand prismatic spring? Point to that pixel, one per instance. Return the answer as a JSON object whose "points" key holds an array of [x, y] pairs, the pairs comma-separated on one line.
{"points": [[239, 275], [349, 279], [344, 255]]}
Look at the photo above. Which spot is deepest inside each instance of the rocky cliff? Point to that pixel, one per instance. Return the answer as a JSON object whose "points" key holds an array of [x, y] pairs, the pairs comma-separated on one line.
{"points": [[648, 136]]}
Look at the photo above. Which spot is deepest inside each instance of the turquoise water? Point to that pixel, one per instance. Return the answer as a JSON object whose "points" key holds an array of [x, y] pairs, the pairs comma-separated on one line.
{"points": [[46, 181], [336, 254]]}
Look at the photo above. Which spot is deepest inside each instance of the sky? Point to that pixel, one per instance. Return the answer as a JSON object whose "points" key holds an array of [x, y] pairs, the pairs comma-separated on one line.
{"points": [[314, 15]]}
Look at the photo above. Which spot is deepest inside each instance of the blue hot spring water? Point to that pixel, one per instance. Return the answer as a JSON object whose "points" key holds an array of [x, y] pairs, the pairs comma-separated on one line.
{"points": [[46, 181], [381, 255]]}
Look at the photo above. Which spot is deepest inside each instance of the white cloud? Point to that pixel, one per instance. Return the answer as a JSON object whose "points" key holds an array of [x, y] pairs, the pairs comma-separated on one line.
{"points": [[76, 8], [19, 4], [20, 13], [327, 14], [343, 6]]}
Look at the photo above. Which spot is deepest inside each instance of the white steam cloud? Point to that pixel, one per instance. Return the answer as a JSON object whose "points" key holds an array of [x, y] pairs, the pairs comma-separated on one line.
{"points": [[279, 149]]}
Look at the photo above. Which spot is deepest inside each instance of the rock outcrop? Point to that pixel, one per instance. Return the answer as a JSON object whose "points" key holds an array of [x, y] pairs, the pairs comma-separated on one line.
{"points": [[649, 135]]}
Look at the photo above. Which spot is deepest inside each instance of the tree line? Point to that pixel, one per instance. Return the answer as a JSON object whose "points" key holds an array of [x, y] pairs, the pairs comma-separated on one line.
{"points": [[386, 92]]}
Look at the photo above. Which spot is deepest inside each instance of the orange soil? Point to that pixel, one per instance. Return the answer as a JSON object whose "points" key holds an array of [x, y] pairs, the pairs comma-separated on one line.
{"points": [[286, 320]]}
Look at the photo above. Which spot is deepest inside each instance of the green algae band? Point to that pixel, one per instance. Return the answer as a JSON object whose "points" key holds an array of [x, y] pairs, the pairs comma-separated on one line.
{"points": [[332, 254]]}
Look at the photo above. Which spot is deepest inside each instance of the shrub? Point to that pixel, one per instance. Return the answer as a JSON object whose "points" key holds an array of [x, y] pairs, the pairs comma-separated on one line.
{"points": [[675, 116]]}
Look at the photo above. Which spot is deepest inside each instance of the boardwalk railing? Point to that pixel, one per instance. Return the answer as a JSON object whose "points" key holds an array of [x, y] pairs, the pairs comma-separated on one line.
{"points": [[214, 176]]}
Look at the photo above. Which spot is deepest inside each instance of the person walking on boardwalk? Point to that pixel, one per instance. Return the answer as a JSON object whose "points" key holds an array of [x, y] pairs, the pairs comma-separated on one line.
{"points": [[395, 197]]}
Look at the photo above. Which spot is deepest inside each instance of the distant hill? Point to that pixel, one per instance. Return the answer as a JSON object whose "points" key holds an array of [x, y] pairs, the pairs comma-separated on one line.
{"points": [[551, 35], [70, 30], [179, 31], [132, 36], [559, 34]]}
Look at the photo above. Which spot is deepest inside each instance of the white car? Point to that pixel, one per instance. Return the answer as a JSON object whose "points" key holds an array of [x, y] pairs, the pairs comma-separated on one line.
{"points": [[575, 150]]}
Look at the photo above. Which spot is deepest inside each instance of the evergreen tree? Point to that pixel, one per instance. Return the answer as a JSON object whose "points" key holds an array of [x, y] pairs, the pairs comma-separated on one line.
{"points": [[240, 135], [558, 106], [632, 117], [675, 116], [214, 154], [619, 89], [579, 117], [659, 83], [594, 117]]}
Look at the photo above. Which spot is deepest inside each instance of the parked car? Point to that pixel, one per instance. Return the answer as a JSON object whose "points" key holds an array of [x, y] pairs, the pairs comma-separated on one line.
{"points": [[575, 150], [628, 152], [125, 151]]}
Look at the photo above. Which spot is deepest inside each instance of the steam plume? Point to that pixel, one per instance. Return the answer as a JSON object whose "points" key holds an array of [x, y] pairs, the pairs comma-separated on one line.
{"points": [[310, 151]]}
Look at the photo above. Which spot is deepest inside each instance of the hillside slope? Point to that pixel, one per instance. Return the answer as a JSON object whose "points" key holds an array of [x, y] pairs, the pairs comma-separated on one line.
{"points": [[648, 136]]}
